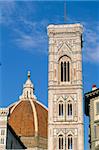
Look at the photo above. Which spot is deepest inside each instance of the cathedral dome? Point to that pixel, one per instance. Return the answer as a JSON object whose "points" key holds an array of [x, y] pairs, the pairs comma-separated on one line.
{"points": [[28, 117]]}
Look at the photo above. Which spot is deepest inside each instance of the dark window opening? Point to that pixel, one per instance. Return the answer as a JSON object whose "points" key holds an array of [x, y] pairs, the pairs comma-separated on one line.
{"points": [[69, 109], [70, 143], [68, 66], [60, 142], [60, 109], [65, 71], [62, 71]]}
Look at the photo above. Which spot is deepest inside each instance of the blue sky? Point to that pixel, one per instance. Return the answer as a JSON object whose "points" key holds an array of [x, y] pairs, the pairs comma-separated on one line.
{"points": [[24, 45]]}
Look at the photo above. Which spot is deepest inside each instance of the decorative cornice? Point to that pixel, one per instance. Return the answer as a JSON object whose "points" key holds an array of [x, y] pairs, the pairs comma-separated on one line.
{"points": [[65, 28], [92, 94]]}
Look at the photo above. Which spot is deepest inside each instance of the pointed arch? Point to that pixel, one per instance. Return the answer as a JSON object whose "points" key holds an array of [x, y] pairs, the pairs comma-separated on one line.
{"points": [[70, 98], [60, 99], [70, 132]]}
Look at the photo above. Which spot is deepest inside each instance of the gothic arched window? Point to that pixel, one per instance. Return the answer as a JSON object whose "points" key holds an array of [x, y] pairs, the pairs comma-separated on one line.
{"points": [[64, 69], [70, 142], [61, 141], [61, 109]]}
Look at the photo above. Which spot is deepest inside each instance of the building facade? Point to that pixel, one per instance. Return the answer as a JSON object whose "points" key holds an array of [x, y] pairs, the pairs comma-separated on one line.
{"points": [[92, 110], [65, 101], [3, 127], [8, 138]]}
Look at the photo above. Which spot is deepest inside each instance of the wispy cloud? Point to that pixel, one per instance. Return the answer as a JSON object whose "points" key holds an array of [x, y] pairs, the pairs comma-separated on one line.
{"points": [[34, 42], [6, 10], [30, 34], [95, 54], [91, 42]]}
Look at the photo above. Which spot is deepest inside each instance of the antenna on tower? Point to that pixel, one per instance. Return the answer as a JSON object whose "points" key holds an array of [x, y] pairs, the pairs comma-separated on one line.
{"points": [[64, 11]]}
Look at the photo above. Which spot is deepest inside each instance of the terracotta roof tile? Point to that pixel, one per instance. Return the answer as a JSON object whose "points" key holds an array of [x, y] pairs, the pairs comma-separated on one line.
{"points": [[42, 114], [22, 119]]}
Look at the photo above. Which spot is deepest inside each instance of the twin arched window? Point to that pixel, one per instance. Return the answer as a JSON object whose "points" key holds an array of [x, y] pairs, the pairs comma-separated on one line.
{"points": [[64, 63], [69, 108], [62, 144]]}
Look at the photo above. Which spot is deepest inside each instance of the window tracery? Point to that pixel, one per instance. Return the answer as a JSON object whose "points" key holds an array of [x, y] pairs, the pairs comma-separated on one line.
{"points": [[65, 141], [64, 69]]}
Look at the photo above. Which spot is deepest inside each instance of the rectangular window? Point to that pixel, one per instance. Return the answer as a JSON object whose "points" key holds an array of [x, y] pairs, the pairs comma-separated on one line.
{"points": [[97, 131], [2, 141], [97, 108], [2, 132]]}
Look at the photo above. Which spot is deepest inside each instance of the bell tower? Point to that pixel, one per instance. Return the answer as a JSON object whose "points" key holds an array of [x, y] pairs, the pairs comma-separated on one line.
{"points": [[65, 101]]}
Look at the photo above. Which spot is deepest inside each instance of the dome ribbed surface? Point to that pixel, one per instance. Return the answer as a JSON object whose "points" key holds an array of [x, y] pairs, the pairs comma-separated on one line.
{"points": [[42, 120], [22, 121]]}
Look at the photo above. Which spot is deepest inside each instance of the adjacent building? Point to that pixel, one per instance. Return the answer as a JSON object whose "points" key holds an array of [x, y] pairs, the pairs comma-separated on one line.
{"points": [[8, 137], [92, 110]]}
